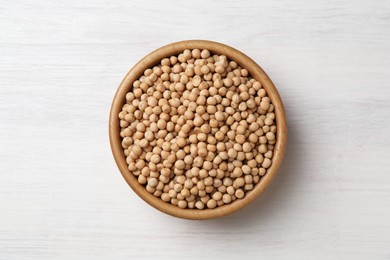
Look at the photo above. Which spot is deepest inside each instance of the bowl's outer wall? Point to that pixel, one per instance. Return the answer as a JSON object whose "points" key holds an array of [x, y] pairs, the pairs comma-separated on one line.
{"points": [[154, 58]]}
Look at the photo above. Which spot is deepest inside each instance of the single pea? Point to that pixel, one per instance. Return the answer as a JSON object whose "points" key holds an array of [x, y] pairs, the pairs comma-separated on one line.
{"points": [[266, 163], [211, 203], [239, 193]]}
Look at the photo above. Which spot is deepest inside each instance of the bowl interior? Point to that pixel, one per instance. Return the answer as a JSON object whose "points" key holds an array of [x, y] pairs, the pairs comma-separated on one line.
{"points": [[153, 59]]}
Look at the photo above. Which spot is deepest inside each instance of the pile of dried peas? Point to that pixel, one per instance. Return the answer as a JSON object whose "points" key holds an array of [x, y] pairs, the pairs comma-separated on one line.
{"points": [[198, 131]]}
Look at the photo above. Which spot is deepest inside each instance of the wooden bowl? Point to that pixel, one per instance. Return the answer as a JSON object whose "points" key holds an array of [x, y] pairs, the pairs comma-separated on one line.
{"points": [[153, 59]]}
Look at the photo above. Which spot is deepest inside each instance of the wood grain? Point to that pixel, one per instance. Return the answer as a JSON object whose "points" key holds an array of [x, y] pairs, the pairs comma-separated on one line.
{"points": [[61, 194]]}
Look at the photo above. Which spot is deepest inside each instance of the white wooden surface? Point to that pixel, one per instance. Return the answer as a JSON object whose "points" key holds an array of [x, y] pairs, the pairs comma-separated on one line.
{"points": [[61, 195]]}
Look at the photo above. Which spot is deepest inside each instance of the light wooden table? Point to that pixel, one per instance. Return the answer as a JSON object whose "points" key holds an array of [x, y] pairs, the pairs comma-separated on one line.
{"points": [[61, 195]]}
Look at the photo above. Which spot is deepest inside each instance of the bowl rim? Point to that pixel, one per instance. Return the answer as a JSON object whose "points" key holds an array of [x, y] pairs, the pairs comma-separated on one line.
{"points": [[154, 58]]}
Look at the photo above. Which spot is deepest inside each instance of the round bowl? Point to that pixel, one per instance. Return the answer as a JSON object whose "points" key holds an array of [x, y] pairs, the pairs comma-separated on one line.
{"points": [[255, 71]]}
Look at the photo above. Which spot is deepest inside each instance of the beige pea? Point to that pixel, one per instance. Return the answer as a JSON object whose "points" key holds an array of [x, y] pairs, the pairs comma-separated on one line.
{"points": [[196, 53], [203, 174], [194, 190], [226, 198], [200, 185], [239, 182], [155, 158], [256, 86], [266, 163], [205, 129], [262, 148], [268, 121], [246, 147], [232, 153], [207, 165], [253, 138], [246, 169], [188, 159], [264, 105], [248, 179], [230, 190], [198, 121], [191, 198], [180, 164], [211, 203], [205, 54], [237, 172], [268, 154], [222, 189], [240, 139], [219, 116], [202, 152], [270, 136], [204, 197], [205, 69], [137, 150], [211, 109], [219, 136], [219, 69], [199, 205], [180, 179], [152, 182], [188, 184], [181, 142], [239, 193], [202, 137], [185, 192], [142, 179], [182, 204], [178, 187], [217, 196], [241, 129], [208, 181], [191, 204], [174, 201], [165, 197], [263, 140], [262, 172], [248, 187]]}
